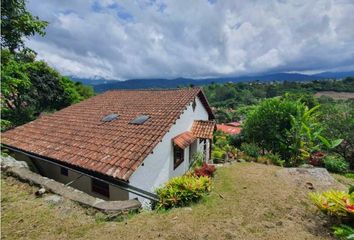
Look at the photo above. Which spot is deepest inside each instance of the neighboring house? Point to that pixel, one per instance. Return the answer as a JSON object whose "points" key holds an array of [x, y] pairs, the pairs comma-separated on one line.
{"points": [[232, 128], [120, 144]]}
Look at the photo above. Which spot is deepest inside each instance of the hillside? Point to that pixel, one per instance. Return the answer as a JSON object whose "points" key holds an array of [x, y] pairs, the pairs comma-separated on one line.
{"points": [[101, 85], [248, 201]]}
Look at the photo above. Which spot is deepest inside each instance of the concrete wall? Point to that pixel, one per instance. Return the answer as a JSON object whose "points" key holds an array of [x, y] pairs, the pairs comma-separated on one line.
{"points": [[158, 166], [83, 183]]}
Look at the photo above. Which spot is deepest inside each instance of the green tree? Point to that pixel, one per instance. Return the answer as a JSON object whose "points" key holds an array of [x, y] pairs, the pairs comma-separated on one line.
{"points": [[338, 122], [17, 23], [29, 87], [284, 126]]}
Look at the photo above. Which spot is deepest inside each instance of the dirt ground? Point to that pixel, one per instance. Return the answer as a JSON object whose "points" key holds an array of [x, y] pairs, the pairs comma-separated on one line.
{"points": [[336, 95], [247, 202]]}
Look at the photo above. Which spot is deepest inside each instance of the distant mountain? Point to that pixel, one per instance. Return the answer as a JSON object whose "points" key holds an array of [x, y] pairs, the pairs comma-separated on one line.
{"points": [[101, 85], [92, 82], [335, 74]]}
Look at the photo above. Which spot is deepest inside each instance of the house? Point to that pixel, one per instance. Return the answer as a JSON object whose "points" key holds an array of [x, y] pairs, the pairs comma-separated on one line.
{"points": [[118, 145], [232, 128]]}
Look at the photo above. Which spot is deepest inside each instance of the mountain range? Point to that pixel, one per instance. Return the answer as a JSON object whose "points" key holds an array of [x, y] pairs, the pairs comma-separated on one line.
{"points": [[101, 85]]}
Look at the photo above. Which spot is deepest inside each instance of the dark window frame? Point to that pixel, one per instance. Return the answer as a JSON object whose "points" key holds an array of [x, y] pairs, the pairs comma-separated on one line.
{"points": [[64, 171], [100, 188], [178, 156]]}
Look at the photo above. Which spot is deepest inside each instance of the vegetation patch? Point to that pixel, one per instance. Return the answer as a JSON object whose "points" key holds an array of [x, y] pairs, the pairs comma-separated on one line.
{"points": [[182, 191], [338, 205]]}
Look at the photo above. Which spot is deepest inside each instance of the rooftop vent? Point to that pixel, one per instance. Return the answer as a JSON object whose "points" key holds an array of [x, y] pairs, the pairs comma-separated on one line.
{"points": [[140, 119], [110, 117]]}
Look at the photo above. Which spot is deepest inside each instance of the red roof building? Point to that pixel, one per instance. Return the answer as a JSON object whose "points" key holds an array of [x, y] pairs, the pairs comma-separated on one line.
{"points": [[232, 128], [117, 134]]}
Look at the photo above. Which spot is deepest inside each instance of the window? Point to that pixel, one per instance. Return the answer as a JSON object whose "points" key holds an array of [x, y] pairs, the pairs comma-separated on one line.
{"points": [[178, 156], [110, 117], [140, 119], [99, 187], [64, 171]]}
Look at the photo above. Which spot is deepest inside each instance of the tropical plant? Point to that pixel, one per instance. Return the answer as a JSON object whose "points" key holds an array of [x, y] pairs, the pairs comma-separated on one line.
{"points": [[197, 159], [268, 125], [335, 203], [336, 163], [304, 135], [338, 122], [183, 190], [343, 232], [251, 149], [316, 158], [206, 170], [287, 127], [275, 159]]}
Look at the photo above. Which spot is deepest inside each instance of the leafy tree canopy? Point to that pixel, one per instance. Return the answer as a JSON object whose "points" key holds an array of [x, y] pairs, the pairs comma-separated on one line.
{"points": [[17, 23], [29, 87]]}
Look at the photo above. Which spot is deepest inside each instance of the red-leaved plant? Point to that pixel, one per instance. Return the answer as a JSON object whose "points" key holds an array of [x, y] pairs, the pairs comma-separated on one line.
{"points": [[316, 159], [206, 170]]}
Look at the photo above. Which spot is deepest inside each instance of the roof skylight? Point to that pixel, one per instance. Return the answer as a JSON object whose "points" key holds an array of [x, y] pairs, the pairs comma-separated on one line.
{"points": [[140, 119], [110, 117]]}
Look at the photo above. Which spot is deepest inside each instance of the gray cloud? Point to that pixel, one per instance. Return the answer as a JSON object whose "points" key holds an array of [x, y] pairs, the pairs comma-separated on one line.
{"points": [[140, 39]]}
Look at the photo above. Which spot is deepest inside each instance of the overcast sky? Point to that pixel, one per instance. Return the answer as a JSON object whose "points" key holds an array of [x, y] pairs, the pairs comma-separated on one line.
{"points": [[194, 38]]}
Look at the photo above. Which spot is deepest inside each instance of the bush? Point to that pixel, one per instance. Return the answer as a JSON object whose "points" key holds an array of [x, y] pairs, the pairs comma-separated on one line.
{"points": [[263, 159], [251, 149], [218, 155], [335, 203], [343, 232], [336, 163], [207, 170], [183, 190], [275, 159], [197, 159]]}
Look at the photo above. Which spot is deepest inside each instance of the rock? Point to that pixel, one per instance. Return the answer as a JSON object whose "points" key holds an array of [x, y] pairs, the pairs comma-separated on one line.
{"points": [[241, 160], [306, 166], [310, 186], [8, 161], [53, 199], [188, 208], [269, 225], [310, 178], [40, 192]]}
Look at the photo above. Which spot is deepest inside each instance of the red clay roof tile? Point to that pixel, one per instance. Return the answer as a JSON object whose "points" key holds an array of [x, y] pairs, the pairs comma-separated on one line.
{"points": [[184, 139], [203, 129]]}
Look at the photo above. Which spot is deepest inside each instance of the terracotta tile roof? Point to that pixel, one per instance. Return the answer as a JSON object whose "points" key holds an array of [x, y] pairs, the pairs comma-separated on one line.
{"points": [[203, 129], [185, 139], [229, 128], [77, 136]]}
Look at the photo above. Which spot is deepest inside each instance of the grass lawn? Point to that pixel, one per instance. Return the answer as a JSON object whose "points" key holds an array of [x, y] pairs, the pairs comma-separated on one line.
{"points": [[255, 204]]}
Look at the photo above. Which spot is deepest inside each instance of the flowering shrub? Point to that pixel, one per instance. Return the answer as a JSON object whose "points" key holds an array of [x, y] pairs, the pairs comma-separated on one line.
{"points": [[206, 170], [183, 190], [335, 203], [316, 159]]}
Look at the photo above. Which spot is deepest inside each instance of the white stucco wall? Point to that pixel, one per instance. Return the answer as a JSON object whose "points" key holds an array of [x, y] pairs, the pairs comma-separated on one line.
{"points": [[157, 168]]}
